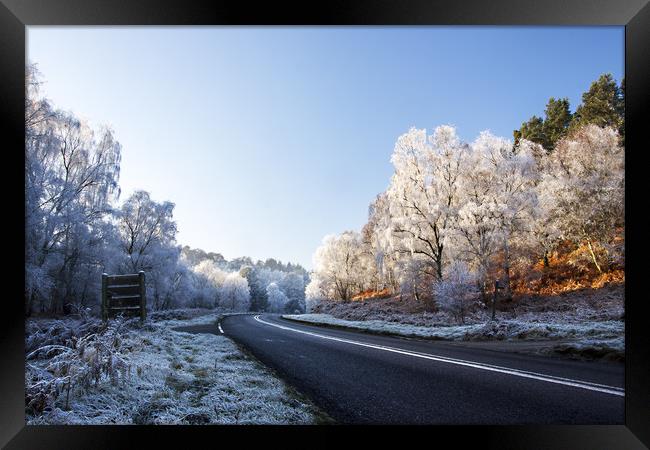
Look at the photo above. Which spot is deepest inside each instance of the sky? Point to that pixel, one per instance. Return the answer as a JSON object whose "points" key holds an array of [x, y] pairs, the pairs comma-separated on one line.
{"points": [[269, 138]]}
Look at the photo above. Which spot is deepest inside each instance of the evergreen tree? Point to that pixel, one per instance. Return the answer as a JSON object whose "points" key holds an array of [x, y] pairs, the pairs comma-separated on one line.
{"points": [[533, 130], [556, 123], [602, 105]]}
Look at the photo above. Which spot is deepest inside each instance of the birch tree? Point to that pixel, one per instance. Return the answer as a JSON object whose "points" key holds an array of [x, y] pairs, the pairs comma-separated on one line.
{"points": [[207, 280], [479, 223], [424, 191], [71, 175], [379, 234], [147, 238], [337, 263], [586, 182], [276, 298], [234, 294], [145, 227]]}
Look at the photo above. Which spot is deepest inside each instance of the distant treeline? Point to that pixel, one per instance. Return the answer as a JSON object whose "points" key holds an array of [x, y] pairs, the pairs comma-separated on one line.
{"points": [[273, 286]]}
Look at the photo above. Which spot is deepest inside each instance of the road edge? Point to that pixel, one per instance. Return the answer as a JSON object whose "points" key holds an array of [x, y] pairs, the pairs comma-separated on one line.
{"points": [[548, 352], [322, 417]]}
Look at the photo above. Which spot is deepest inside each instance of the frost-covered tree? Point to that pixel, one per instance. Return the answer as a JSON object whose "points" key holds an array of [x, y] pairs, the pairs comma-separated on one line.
{"points": [[259, 277], [277, 299], [413, 277], [147, 237], [290, 278], [145, 227], [377, 237], [71, 175], [337, 262], [498, 197], [423, 194], [490, 204], [456, 292], [207, 280], [515, 193], [479, 222], [314, 294], [234, 293], [293, 287], [193, 256], [585, 183], [541, 233]]}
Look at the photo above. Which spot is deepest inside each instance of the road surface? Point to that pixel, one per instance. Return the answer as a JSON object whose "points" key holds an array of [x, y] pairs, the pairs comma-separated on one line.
{"points": [[362, 378]]}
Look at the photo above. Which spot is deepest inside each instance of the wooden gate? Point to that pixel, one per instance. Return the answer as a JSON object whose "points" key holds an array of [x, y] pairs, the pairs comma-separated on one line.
{"points": [[124, 294]]}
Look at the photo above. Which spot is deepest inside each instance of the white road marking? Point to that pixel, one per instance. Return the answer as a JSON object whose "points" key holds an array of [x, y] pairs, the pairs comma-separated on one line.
{"points": [[489, 367], [220, 329]]}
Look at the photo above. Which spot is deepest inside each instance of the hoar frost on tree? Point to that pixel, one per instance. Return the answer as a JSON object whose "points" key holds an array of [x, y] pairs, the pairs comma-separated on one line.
{"points": [[585, 184], [542, 231], [339, 263], [276, 298], [293, 287], [497, 195], [456, 292], [423, 195], [147, 234], [378, 235], [234, 294], [71, 174], [207, 278], [488, 204], [314, 294]]}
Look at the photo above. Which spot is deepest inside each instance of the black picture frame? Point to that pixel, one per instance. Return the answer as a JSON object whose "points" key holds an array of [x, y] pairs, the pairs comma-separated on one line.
{"points": [[15, 15]]}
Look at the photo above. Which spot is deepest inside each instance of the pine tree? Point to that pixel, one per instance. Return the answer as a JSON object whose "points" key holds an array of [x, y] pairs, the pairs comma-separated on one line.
{"points": [[533, 130], [602, 105], [556, 123]]}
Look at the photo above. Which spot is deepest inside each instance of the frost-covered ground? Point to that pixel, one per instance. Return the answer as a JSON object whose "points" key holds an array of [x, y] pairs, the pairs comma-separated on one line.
{"points": [[588, 339], [591, 305], [149, 374]]}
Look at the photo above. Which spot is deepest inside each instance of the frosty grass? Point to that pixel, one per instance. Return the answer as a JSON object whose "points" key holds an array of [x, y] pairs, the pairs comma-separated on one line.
{"points": [[182, 378]]}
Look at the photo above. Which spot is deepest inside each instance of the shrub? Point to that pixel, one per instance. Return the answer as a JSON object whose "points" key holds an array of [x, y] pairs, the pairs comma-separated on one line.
{"points": [[73, 363], [457, 291]]}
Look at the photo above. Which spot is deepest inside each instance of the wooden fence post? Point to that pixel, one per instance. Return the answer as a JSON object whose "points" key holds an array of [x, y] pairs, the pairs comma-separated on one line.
{"points": [[104, 297], [143, 297]]}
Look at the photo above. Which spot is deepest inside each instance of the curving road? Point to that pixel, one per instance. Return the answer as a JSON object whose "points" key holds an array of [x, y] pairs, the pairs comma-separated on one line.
{"points": [[363, 378]]}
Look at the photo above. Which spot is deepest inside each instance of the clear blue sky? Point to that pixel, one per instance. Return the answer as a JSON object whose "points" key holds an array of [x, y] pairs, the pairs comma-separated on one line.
{"points": [[268, 138]]}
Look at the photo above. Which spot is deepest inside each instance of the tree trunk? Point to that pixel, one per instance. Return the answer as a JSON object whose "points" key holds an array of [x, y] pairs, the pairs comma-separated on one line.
{"points": [[483, 291], [494, 300], [415, 292], [593, 256], [506, 269], [546, 263]]}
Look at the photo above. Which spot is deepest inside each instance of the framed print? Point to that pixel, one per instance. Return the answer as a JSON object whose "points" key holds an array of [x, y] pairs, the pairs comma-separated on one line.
{"points": [[279, 218]]}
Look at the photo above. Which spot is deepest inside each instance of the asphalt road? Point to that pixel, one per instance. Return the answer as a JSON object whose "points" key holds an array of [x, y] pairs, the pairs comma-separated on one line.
{"points": [[361, 378]]}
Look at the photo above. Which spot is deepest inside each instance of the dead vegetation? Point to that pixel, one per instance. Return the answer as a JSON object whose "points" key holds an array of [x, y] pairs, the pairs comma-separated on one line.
{"points": [[80, 371]]}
